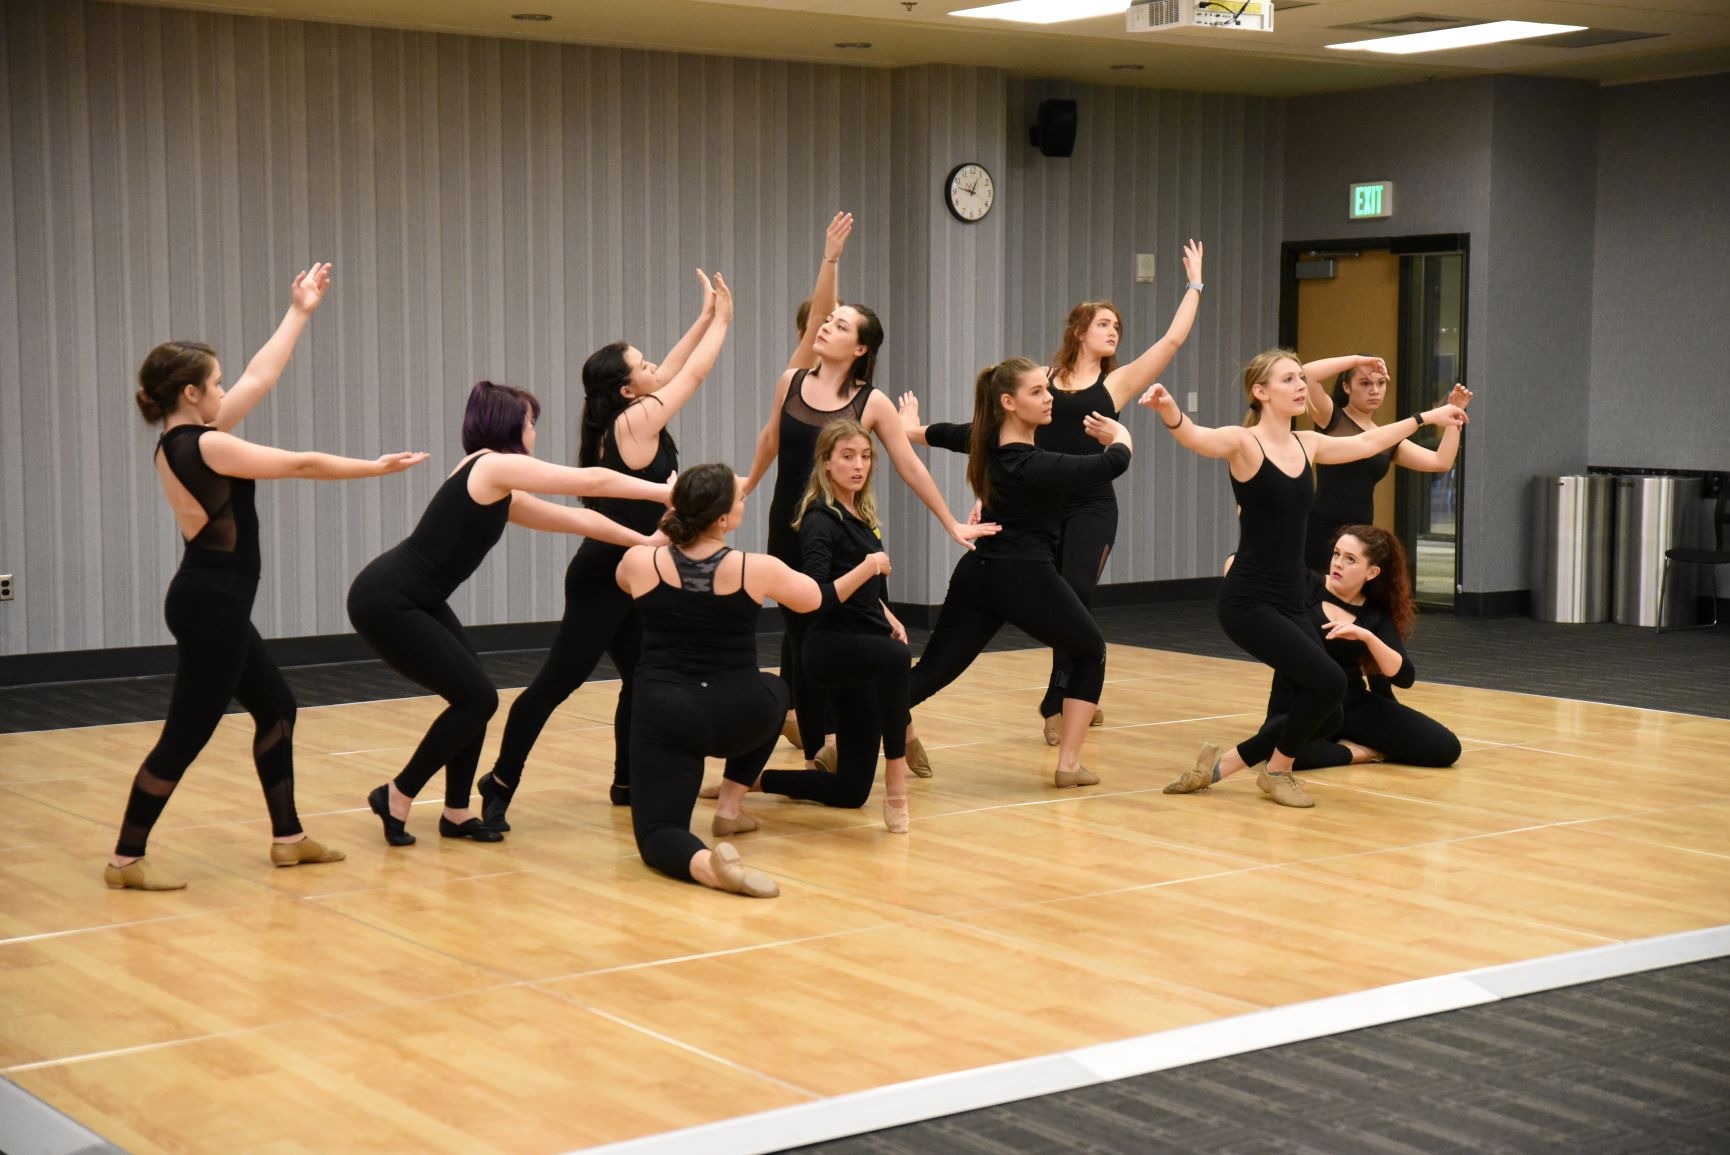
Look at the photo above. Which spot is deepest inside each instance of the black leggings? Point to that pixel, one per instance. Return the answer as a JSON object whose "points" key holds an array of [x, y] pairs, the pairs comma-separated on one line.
{"points": [[1394, 730], [868, 675], [1089, 532], [599, 618], [731, 714], [811, 705], [1287, 640], [427, 645], [1028, 594], [218, 655]]}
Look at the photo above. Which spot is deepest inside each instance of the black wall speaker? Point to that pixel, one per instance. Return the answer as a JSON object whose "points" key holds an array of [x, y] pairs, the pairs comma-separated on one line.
{"points": [[1053, 134]]}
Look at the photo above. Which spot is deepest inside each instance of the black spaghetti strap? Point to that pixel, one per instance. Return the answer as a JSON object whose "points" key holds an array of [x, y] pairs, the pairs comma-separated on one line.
{"points": [[1301, 448], [1261, 447]]}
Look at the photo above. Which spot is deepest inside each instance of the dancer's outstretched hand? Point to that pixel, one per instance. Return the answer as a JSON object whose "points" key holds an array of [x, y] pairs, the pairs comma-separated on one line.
{"points": [[397, 462], [723, 300], [1192, 261], [1447, 415], [309, 286], [1159, 399], [708, 293], [967, 536], [1103, 429], [835, 237], [1460, 395], [909, 410]]}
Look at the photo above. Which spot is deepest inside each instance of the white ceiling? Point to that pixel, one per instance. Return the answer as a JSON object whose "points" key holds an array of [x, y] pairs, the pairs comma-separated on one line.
{"points": [[1691, 37]]}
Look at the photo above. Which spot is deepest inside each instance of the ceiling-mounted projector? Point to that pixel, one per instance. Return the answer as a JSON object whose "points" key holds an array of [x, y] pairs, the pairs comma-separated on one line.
{"points": [[1163, 15]]}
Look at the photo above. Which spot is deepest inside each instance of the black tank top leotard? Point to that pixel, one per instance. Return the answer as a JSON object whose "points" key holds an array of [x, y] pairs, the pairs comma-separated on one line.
{"points": [[1065, 434], [1272, 523], [450, 541], [229, 539], [689, 629], [1345, 494], [642, 516], [800, 425]]}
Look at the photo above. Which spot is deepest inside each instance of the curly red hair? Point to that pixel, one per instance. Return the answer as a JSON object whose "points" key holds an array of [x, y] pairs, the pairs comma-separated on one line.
{"points": [[1390, 590]]}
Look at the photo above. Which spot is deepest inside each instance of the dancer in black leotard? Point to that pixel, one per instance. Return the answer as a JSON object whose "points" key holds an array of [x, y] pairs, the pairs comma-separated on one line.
{"points": [[1261, 601], [1013, 577], [1346, 494], [398, 602], [627, 404], [1363, 611], [856, 650], [1086, 378], [699, 692], [207, 474], [828, 378]]}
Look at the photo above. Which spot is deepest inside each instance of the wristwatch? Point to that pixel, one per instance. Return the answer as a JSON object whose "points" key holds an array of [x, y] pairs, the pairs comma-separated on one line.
{"points": [[1196, 285]]}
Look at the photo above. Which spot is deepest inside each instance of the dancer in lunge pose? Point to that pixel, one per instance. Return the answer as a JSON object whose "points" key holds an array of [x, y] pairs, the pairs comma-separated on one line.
{"points": [[399, 602], [856, 650], [1086, 378], [207, 475], [1261, 602], [1346, 493], [699, 692], [1013, 576], [628, 402], [829, 377], [1363, 611]]}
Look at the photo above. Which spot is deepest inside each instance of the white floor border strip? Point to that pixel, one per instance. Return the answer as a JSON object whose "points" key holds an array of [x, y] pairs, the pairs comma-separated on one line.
{"points": [[921, 1099]]}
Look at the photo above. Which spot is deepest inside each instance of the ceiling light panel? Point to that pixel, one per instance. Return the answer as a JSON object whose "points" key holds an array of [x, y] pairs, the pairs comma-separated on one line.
{"points": [[1471, 36], [1045, 11]]}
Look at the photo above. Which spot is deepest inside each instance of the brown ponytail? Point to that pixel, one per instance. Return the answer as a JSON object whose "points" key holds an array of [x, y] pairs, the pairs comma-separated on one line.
{"points": [[995, 383]]}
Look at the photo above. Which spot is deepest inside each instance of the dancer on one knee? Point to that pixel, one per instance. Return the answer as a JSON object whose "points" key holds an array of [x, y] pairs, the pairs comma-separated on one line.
{"points": [[1086, 378], [856, 650], [627, 404], [1363, 611], [699, 692], [1262, 601], [1346, 493], [1013, 577], [399, 602], [207, 475], [828, 378]]}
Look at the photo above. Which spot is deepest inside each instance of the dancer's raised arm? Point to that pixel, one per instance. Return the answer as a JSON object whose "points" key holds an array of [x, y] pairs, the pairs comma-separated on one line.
{"points": [[638, 427], [675, 358], [1325, 450], [1316, 397], [1225, 442], [1442, 457], [266, 366], [1126, 382]]}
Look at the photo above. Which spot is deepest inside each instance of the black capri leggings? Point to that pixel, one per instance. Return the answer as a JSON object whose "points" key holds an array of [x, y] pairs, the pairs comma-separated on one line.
{"points": [[1089, 532], [599, 618], [1389, 727], [427, 645], [865, 679], [679, 720], [218, 655], [1287, 640], [1028, 594]]}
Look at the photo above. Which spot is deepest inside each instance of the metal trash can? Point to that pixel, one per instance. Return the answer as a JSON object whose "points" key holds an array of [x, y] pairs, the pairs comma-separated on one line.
{"points": [[1571, 548], [1653, 514]]}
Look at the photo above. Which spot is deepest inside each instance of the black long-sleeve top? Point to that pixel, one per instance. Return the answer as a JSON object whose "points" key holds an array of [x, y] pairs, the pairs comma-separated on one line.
{"points": [[1350, 654], [832, 542], [1028, 486]]}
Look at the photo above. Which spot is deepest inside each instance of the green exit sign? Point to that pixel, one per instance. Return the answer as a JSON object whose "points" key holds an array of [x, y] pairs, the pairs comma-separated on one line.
{"points": [[1372, 199]]}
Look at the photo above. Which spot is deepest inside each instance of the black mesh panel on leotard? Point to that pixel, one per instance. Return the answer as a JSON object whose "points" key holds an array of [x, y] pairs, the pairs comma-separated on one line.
{"points": [[229, 538]]}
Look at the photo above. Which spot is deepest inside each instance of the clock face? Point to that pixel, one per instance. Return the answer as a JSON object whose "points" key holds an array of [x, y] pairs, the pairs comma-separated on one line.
{"points": [[969, 192]]}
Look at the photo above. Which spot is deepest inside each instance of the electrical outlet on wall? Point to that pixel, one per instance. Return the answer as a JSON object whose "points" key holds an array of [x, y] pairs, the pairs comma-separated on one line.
{"points": [[1144, 266], [6, 587], [1194, 401]]}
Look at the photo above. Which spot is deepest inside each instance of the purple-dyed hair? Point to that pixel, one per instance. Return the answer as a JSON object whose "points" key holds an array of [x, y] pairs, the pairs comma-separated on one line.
{"points": [[495, 417]]}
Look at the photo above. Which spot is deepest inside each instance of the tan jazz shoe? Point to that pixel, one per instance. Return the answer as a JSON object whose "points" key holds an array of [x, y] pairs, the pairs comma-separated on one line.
{"points": [[139, 875], [307, 850], [743, 824], [1198, 778], [1054, 730], [1098, 718], [918, 761], [736, 878], [827, 759], [896, 816], [790, 731], [1283, 788], [711, 791], [1080, 776]]}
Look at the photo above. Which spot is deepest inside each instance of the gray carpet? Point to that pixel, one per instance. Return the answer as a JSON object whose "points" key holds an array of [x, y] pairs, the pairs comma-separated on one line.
{"points": [[1634, 1064]]}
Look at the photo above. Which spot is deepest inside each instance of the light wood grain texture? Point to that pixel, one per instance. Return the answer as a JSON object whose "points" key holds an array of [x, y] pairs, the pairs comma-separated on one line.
{"points": [[552, 992]]}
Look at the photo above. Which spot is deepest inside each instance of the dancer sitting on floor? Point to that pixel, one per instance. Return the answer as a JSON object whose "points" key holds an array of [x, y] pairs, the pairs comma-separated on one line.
{"points": [[699, 691], [1363, 611]]}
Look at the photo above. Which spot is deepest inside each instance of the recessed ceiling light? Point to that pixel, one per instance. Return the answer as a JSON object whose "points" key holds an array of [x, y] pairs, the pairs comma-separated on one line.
{"points": [[852, 44], [1045, 11], [1471, 36], [533, 17], [1127, 67]]}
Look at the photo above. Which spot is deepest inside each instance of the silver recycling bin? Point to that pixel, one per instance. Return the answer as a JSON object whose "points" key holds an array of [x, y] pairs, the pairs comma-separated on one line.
{"points": [[1571, 548], [1653, 514]]}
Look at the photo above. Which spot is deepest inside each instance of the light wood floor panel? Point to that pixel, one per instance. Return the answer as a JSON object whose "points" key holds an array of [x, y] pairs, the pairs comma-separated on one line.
{"points": [[552, 992]]}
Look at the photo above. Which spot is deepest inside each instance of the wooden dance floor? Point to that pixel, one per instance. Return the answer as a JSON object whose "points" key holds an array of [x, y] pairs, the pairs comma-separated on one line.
{"points": [[551, 993]]}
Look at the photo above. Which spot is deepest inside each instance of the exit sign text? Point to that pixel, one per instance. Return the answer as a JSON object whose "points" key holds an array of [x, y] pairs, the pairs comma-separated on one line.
{"points": [[1372, 199]]}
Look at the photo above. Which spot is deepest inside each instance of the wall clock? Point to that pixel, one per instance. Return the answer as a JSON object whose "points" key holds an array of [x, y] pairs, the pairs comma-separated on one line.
{"points": [[969, 192]]}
